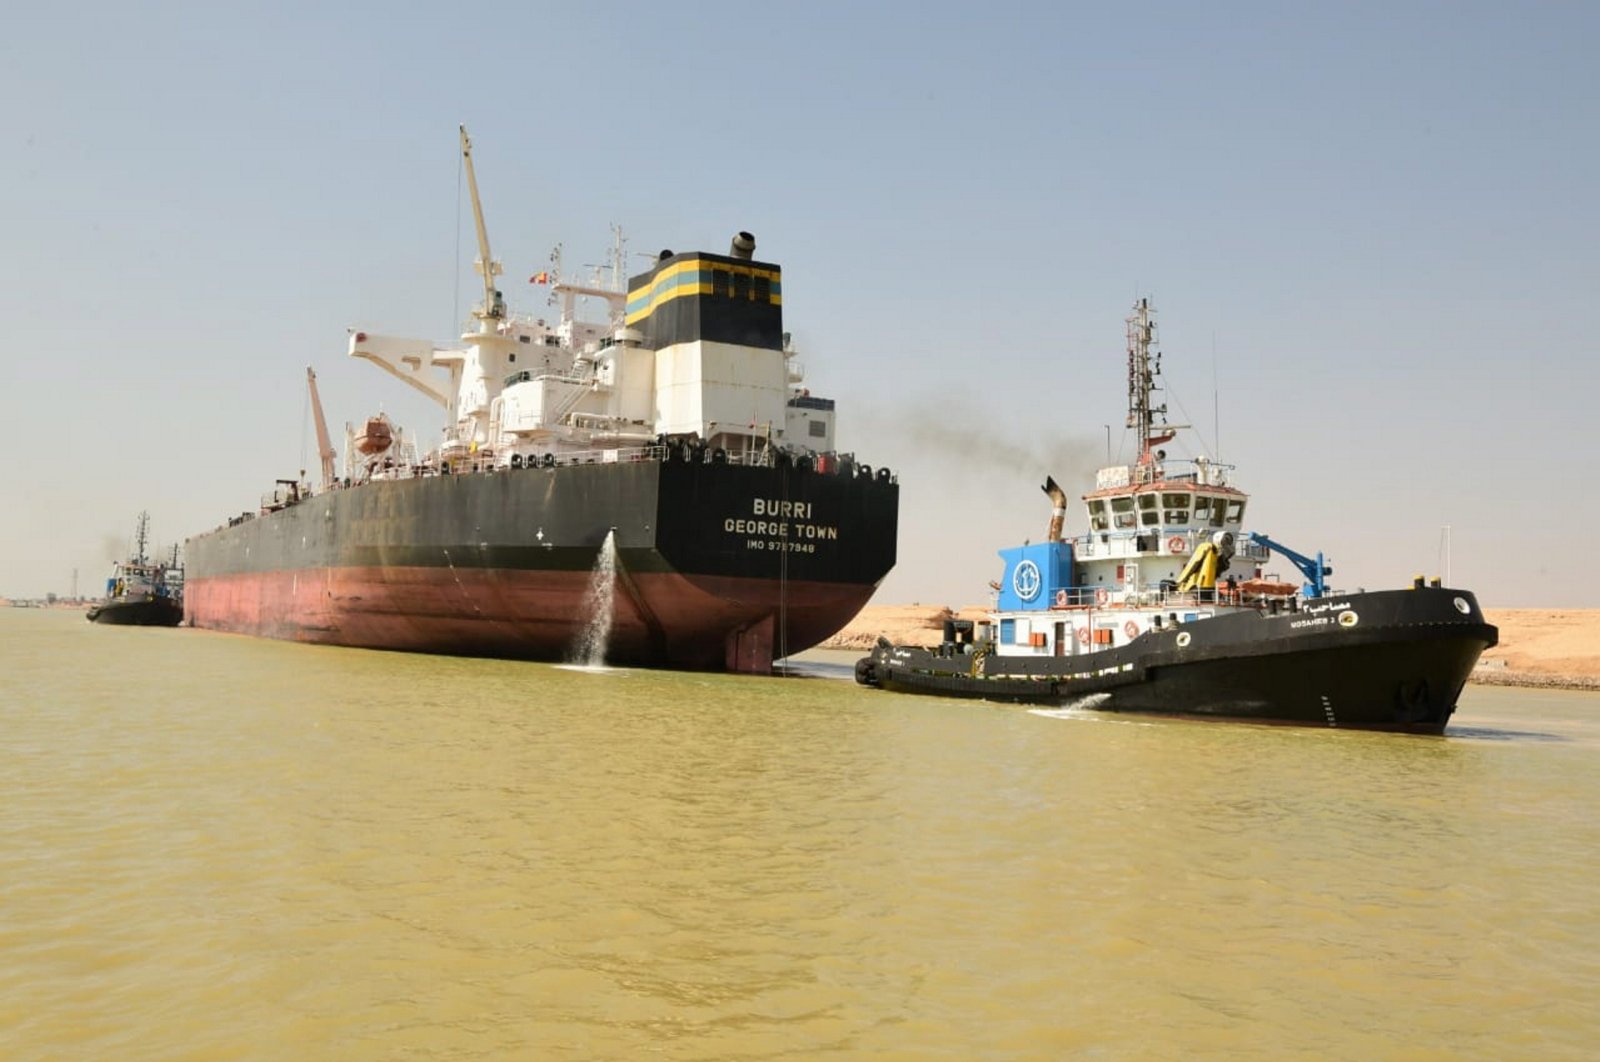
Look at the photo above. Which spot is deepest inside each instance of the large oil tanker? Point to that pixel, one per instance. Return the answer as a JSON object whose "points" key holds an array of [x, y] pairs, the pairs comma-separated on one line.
{"points": [[672, 440]]}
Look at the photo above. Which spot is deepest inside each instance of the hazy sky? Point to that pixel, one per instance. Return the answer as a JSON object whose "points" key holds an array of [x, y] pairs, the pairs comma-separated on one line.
{"points": [[1371, 232]]}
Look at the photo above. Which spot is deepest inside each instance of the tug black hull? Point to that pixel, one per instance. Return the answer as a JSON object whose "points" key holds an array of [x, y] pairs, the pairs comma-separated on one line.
{"points": [[155, 612], [1385, 660]]}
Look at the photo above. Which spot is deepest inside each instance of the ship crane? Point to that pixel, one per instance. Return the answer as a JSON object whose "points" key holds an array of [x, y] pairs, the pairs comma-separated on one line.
{"points": [[494, 306], [1316, 571], [324, 446]]}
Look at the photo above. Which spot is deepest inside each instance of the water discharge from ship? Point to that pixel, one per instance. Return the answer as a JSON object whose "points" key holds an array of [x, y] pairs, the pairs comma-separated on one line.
{"points": [[599, 605]]}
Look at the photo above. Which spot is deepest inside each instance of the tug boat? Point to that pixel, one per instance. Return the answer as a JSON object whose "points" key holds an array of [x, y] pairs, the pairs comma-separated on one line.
{"points": [[1166, 605], [142, 592]]}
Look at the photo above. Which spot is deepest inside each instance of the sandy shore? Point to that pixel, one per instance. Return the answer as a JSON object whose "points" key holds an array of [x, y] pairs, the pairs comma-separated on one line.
{"points": [[1538, 647]]}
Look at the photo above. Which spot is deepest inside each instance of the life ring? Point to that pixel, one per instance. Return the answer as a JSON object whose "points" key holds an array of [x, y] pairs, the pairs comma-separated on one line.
{"points": [[1101, 596], [1083, 635], [1061, 599], [1177, 544], [1131, 629]]}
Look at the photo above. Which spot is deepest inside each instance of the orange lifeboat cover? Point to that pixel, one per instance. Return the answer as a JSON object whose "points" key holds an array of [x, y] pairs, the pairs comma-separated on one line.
{"points": [[1266, 589], [376, 437]]}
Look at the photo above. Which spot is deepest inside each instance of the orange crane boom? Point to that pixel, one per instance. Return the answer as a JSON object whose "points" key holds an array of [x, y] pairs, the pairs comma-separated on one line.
{"points": [[324, 447]]}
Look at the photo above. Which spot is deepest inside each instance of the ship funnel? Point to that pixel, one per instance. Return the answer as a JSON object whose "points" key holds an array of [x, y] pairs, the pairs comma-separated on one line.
{"points": [[1058, 516], [743, 246]]}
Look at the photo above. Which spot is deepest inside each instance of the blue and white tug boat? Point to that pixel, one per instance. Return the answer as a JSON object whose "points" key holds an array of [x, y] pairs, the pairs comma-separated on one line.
{"points": [[1167, 605]]}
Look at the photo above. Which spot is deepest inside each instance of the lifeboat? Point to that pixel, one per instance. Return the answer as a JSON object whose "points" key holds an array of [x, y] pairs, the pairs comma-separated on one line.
{"points": [[376, 436], [1265, 588]]}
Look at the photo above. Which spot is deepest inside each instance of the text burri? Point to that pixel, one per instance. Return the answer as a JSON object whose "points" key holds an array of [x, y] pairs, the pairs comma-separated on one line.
{"points": [[781, 526]]}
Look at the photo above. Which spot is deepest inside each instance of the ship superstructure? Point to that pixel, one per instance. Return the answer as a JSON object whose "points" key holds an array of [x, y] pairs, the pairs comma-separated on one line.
{"points": [[693, 350], [1147, 523]]}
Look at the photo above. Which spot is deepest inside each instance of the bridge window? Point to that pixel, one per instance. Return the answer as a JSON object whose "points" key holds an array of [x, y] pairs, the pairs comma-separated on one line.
{"points": [[1202, 508], [1098, 519], [1219, 511], [1176, 508], [1235, 512], [1122, 510]]}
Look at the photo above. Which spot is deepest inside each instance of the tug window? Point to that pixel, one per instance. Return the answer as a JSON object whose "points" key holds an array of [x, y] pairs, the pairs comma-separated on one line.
{"points": [[1235, 512], [1202, 508], [1122, 508], [1219, 511], [1149, 514], [1097, 515], [1177, 508]]}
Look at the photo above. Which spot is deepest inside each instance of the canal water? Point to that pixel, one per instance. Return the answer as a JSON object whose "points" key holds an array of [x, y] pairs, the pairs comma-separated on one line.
{"points": [[214, 847]]}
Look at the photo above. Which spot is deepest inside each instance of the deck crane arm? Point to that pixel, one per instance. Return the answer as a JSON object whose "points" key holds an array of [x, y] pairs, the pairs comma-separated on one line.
{"points": [[324, 447], [492, 306], [1315, 570]]}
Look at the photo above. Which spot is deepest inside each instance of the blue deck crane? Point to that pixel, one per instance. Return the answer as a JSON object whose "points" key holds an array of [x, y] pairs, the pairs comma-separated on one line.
{"points": [[1315, 571]]}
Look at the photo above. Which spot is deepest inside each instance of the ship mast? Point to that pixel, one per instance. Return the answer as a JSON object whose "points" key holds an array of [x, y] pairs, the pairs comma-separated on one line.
{"points": [[493, 307], [1144, 365], [140, 537]]}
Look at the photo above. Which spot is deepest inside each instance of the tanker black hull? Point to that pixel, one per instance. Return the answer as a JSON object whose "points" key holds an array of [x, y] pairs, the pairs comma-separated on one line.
{"points": [[718, 565], [1400, 664], [154, 612]]}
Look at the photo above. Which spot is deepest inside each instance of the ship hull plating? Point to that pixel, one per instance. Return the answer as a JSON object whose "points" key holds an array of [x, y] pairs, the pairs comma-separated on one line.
{"points": [[718, 565], [1399, 664]]}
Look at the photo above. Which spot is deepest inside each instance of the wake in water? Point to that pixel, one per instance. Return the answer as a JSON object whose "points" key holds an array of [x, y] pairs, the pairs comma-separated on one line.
{"points": [[1080, 708], [599, 605]]}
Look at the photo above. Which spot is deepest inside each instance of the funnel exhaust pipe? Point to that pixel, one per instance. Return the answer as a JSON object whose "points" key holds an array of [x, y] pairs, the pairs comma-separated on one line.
{"points": [[743, 246], [1058, 516]]}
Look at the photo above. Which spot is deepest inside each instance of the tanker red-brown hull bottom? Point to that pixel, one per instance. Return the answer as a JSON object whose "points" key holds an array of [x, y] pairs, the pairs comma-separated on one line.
{"points": [[659, 619]]}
